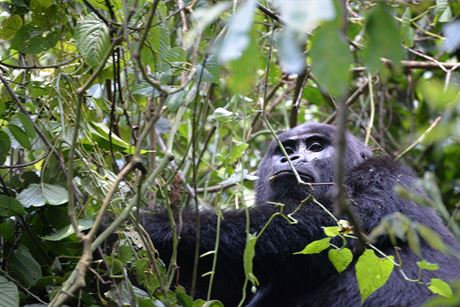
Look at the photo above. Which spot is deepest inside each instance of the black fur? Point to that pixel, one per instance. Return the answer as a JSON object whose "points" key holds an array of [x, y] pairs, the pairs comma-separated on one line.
{"points": [[307, 280]]}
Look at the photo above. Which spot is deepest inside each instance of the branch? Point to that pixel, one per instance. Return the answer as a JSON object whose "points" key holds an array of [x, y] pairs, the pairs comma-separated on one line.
{"points": [[414, 65], [420, 138], [57, 65]]}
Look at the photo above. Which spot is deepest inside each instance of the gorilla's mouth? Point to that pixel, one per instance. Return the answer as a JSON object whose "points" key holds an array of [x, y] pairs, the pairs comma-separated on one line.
{"points": [[289, 174]]}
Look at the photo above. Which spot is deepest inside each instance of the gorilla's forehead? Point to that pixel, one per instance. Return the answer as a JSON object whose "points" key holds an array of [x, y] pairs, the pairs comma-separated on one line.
{"points": [[308, 128]]}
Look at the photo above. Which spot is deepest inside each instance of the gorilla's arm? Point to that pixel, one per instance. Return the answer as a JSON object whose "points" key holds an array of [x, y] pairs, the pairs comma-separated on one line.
{"points": [[274, 260]]}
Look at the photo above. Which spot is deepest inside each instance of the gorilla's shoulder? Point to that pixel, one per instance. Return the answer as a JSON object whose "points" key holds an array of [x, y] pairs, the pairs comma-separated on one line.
{"points": [[379, 173]]}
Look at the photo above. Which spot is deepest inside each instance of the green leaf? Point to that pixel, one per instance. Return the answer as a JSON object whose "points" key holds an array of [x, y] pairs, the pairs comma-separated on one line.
{"points": [[372, 272], [32, 39], [432, 238], [331, 231], [9, 294], [236, 152], [305, 15], [172, 59], [55, 194], [92, 39], [7, 229], [68, 230], [126, 253], [159, 39], [340, 258], [5, 145], [211, 71], [384, 38], [202, 17], [437, 95], [414, 241], [24, 267], [10, 206], [223, 115], [331, 59], [439, 286], [425, 265], [20, 136], [10, 26], [290, 50], [31, 196], [100, 135], [443, 11], [315, 247], [40, 5], [37, 195], [26, 124], [407, 32], [243, 69], [237, 37], [446, 16], [248, 256]]}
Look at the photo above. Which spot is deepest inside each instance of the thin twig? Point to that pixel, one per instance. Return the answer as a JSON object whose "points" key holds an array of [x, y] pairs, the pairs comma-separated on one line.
{"points": [[358, 92], [414, 65], [420, 138], [31, 67], [371, 117]]}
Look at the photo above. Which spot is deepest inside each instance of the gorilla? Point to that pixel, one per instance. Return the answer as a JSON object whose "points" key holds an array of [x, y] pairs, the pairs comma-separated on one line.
{"points": [[289, 279]]}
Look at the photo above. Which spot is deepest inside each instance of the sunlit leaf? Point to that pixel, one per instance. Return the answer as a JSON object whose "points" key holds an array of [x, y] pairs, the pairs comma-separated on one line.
{"points": [[223, 115], [407, 32], [237, 37], [32, 39], [243, 69], [20, 136], [9, 294], [237, 151], [315, 247], [432, 238], [331, 231], [68, 230], [248, 256], [10, 26], [331, 59], [372, 272], [92, 39], [443, 11], [201, 18], [305, 15], [55, 194], [290, 44], [439, 286], [425, 265], [438, 96], [384, 38], [37, 195], [340, 258], [26, 124]]}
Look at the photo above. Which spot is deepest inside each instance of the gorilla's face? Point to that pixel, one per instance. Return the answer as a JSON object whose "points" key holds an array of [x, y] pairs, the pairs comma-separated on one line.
{"points": [[311, 149]]}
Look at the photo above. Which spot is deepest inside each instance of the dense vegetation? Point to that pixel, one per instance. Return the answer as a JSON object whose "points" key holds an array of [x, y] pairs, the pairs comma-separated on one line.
{"points": [[120, 105]]}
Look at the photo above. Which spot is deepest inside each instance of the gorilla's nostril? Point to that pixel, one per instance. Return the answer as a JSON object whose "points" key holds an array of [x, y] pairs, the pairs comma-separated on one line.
{"points": [[293, 157]]}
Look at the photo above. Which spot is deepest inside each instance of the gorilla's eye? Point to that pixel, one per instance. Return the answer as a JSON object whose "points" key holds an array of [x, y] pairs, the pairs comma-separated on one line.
{"points": [[315, 146]]}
